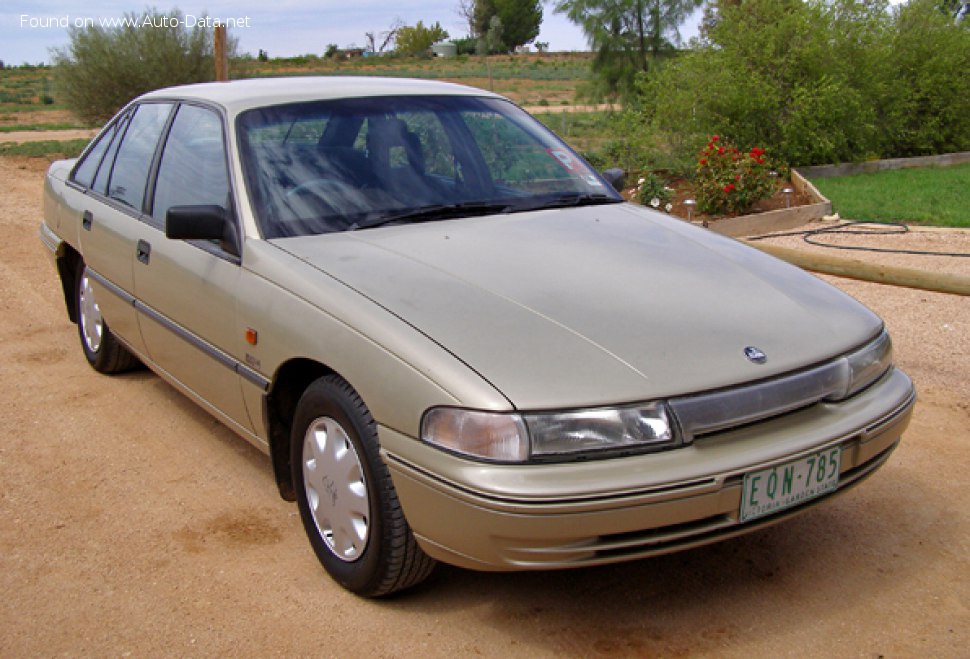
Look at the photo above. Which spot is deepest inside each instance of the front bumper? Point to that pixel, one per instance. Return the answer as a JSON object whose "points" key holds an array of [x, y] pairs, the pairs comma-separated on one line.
{"points": [[521, 517]]}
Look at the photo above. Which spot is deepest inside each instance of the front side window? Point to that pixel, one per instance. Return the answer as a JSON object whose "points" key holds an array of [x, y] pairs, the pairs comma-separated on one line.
{"points": [[351, 164], [192, 170], [129, 174]]}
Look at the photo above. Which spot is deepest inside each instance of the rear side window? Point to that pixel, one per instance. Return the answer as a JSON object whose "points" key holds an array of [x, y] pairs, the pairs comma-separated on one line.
{"points": [[193, 168], [104, 171], [88, 167], [129, 174]]}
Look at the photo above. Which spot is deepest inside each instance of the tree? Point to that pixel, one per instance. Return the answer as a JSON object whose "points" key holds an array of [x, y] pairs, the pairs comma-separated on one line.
{"points": [[418, 39], [386, 37], [101, 69], [627, 34], [466, 11], [520, 20]]}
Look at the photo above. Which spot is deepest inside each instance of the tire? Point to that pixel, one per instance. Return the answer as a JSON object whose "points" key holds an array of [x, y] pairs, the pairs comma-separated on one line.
{"points": [[347, 501], [102, 350]]}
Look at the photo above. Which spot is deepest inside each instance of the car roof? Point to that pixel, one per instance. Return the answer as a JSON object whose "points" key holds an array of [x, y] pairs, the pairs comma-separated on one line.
{"points": [[238, 95]]}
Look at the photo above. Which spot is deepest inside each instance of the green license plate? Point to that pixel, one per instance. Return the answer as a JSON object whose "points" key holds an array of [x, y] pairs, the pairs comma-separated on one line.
{"points": [[769, 490]]}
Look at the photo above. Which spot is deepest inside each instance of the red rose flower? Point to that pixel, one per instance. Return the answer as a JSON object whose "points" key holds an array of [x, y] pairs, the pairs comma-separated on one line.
{"points": [[720, 151], [703, 161], [729, 187], [737, 177], [760, 161], [715, 138]]}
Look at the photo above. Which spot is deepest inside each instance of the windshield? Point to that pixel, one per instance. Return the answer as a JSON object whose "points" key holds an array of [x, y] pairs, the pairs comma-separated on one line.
{"points": [[351, 164]]}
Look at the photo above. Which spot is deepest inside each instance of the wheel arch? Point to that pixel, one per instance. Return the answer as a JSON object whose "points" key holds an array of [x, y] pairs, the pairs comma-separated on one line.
{"points": [[68, 264], [291, 380]]}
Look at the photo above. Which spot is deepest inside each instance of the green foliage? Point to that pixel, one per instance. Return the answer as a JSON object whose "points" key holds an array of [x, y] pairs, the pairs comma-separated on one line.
{"points": [[104, 68], [818, 81], [466, 46], [930, 84], [929, 195], [652, 191], [417, 40], [627, 35], [730, 181], [519, 20], [491, 42]]}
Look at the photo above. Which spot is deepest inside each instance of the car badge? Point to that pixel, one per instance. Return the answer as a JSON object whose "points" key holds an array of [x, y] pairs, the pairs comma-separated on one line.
{"points": [[755, 355]]}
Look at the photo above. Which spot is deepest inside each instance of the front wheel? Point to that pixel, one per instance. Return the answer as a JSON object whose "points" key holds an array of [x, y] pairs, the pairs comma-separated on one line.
{"points": [[347, 501], [102, 350]]}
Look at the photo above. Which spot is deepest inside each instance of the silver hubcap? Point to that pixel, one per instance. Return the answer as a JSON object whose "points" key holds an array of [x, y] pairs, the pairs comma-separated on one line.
{"points": [[92, 325], [335, 489]]}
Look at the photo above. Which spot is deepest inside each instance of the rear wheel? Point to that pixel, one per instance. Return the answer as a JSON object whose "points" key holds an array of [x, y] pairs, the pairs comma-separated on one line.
{"points": [[345, 495], [101, 348]]}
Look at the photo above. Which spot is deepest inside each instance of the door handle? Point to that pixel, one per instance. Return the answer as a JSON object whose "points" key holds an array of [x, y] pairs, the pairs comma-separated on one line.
{"points": [[144, 251], [87, 218]]}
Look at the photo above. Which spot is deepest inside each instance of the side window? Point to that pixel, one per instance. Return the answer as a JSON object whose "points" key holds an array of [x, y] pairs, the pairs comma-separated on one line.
{"points": [[88, 167], [129, 175], [193, 168], [104, 171]]}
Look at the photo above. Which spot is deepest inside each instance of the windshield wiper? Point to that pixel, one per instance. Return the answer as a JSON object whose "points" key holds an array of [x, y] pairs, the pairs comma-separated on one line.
{"points": [[577, 199], [436, 212]]}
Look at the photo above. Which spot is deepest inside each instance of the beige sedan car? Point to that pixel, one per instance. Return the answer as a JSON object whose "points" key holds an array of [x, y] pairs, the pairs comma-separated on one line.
{"points": [[452, 337]]}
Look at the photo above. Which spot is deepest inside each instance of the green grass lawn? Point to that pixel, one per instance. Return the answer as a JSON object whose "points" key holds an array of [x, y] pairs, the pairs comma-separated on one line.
{"points": [[937, 196]]}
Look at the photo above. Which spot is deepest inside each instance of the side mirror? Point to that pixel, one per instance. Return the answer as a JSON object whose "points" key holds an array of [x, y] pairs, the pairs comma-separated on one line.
{"points": [[202, 223], [614, 177]]}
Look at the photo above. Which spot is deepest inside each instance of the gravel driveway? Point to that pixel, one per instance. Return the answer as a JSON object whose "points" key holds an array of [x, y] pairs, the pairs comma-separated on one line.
{"points": [[132, 523]]}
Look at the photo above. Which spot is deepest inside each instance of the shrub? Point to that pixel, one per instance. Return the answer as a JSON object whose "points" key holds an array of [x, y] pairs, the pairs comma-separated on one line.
{"points": [[731, 181], [417, 40], [652, 191], [104, 68], [816, 81]]}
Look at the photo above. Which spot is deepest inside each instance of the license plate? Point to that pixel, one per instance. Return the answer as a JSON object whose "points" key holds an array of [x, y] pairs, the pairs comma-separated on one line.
{"points": [[782, 486]]}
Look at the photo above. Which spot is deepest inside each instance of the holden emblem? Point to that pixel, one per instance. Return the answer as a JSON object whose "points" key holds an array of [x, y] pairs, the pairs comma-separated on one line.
{"points": [[755, 355]]}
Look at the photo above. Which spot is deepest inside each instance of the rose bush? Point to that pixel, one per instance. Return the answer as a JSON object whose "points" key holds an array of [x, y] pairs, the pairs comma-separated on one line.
{"points": [[730, 180]]}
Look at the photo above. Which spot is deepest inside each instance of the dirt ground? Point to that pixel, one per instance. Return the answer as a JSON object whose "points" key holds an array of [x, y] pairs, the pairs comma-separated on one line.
{"points": [[131, 523]]}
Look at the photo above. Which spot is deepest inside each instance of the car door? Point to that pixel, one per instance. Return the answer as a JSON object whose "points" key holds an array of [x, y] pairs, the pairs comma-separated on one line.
{"points": [[186, 290], [114, 179]]}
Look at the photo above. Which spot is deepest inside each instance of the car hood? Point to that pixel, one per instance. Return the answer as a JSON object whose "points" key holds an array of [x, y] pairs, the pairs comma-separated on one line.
{"points": [[594, 305]]}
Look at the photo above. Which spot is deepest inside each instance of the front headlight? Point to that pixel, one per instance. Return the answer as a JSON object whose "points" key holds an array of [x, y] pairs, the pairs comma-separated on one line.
{"points": [[513, 437], [861, 368], [867, 364], [599, 429]]}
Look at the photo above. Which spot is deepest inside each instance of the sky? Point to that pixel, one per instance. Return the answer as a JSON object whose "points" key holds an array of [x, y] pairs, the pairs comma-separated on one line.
{"points": [[283, 28]]}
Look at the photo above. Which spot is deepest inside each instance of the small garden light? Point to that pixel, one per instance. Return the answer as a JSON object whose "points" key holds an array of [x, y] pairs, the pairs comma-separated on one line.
{"points": [[788, 192], [690, 203]]}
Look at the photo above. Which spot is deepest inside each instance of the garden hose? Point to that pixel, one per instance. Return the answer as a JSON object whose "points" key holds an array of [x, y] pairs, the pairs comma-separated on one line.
{"points": [[876, 229]]}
